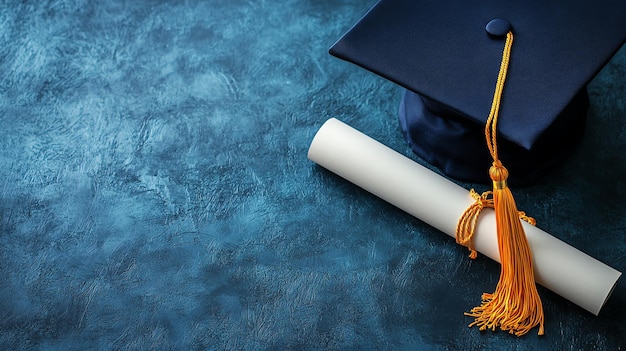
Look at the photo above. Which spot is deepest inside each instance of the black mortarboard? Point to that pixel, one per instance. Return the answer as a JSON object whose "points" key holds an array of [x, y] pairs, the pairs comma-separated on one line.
{"points": [[442, 53]]}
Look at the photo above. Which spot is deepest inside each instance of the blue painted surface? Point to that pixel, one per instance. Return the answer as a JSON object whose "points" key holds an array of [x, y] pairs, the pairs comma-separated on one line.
{"points": [[155, 191]]}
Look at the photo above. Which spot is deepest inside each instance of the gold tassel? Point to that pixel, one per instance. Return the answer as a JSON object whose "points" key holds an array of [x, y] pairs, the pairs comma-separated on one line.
{"points": [[515, 305]]}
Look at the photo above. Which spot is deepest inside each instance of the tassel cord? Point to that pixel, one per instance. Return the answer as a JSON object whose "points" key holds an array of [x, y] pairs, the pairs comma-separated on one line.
{"points": [[515, 305]]}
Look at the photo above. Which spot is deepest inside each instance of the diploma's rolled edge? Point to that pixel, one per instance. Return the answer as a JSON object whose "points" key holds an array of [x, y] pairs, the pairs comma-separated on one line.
{"points": [[320, 133], [310, 153], [619, 274], [327, 134]]}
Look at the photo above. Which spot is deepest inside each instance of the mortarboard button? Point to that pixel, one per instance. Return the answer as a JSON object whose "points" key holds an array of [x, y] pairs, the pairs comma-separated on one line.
{"points": [[498, 27]]}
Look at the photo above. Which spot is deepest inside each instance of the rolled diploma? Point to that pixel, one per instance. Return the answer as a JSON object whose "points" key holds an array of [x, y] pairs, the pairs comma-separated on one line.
{"points": [[440, 203]]}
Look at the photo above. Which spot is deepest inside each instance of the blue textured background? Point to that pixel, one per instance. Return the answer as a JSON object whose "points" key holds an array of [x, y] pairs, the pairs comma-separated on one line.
{"points": [[155, 191]]}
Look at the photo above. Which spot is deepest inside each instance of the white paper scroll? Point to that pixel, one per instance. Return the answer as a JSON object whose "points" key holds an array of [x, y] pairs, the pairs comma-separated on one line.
{"points": [[439, 202]]}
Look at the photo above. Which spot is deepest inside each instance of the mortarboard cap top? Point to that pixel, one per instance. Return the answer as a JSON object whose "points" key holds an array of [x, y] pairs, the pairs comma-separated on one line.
{"points": [[447, 55]]}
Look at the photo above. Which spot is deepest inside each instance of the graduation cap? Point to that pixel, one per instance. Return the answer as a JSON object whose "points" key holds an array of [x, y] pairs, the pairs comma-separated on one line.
{"points": [[447, 55], [454, 58]]}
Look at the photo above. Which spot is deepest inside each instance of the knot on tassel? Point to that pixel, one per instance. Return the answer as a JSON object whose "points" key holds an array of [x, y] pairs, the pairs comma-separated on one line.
{"points": [[498, 172]]}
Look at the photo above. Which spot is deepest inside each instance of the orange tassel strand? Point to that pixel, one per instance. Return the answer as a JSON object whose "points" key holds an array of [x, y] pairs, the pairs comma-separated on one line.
{"points": [[467, 224], [515, 305]]}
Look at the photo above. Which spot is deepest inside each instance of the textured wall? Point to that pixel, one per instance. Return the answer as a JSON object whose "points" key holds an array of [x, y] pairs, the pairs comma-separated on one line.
{"points": [[155, 191]]}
